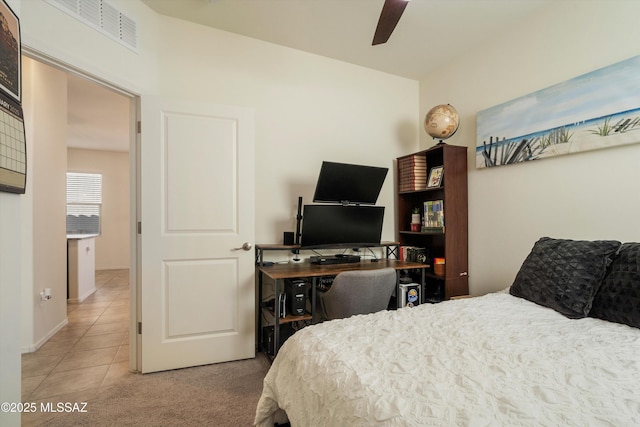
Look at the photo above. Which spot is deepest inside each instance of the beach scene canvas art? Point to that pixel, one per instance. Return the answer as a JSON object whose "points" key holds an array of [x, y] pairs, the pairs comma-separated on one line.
{"points": [[596, 110]]}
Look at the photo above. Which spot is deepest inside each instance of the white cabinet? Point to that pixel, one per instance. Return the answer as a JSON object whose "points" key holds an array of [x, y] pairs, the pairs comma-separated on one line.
{"points": [[81, 262]]}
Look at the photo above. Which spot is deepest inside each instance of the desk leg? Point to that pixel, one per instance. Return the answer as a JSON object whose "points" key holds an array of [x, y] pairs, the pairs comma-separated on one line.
{"points": [[423, 284], [276, 324], [397, 288], [314, 295], [259, 312]]}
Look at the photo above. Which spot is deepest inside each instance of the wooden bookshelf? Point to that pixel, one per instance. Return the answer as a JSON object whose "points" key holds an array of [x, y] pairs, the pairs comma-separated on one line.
{"points": [[452, 242]]}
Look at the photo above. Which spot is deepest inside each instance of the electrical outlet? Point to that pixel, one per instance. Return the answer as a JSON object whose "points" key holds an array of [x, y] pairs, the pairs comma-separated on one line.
{"points": [[45, 295]]}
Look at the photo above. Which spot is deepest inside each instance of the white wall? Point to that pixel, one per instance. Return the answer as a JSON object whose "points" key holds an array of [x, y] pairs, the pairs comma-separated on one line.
{"points": [[593, 195], [308, 109], [10, 297], [112, 247], [47, 30], [45, 111]]}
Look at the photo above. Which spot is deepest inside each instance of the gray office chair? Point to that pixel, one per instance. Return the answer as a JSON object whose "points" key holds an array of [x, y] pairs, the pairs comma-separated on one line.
{"points": [[358, 292]]}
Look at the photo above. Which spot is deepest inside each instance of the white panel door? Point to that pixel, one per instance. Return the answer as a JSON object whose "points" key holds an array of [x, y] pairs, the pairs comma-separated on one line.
{"points": [[197, 210]]}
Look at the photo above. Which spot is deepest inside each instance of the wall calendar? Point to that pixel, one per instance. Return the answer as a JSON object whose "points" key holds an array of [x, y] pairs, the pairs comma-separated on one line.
{"points": [[13, 151]]}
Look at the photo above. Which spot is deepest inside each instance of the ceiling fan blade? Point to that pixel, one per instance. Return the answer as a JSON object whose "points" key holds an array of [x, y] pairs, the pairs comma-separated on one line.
{"points": [[391, 12]]}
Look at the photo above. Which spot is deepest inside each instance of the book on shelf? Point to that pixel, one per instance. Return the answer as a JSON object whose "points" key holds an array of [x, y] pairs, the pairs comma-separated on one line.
{"points": [[433, 216], [425, 229], [414, 254], [412, 173]]}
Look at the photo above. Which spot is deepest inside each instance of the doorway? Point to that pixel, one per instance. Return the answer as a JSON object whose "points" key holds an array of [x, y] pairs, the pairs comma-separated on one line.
{"points": [[97, 141]]}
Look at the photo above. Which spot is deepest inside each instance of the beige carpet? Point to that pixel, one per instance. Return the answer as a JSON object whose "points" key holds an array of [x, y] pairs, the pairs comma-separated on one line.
{"points": [[224, 394]]}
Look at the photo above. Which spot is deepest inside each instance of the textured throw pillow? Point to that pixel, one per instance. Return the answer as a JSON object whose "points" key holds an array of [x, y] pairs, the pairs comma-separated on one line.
{"points": [[564, 274], [618, 299]]}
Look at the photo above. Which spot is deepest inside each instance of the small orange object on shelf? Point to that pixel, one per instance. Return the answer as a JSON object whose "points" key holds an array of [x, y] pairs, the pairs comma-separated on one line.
{"points": [[438, 266]]}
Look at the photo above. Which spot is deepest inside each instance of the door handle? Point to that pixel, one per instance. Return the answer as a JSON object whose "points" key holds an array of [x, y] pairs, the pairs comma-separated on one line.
{"points": [[246, 246]]}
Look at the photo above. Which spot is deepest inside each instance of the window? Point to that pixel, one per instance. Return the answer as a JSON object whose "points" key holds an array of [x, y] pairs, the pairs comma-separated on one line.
{"points": [[84, 203]]}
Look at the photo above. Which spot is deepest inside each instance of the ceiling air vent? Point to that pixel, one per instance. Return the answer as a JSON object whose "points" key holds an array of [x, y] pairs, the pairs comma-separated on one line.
{"points": [[103, 17]]}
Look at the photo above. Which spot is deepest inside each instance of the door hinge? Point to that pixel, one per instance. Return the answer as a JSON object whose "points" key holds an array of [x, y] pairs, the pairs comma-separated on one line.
{"points": [[139, 227], [139, 328], [139, 126]]}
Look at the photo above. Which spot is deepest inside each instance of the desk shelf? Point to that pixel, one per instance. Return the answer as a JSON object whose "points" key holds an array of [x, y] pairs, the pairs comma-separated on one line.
{"points": [[271, 317], [391, 249]]}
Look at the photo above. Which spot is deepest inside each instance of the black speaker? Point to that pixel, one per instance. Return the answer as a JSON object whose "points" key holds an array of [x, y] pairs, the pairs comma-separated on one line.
{"points": [[288, 238], [296, 296]]}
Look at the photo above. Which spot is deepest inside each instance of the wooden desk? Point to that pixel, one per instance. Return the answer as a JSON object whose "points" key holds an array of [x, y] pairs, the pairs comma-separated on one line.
{"points": [[279, 272]]}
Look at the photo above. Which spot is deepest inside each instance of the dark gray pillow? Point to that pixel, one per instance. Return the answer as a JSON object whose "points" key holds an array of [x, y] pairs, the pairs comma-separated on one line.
{"points": [[618, 299], [564, 274]]}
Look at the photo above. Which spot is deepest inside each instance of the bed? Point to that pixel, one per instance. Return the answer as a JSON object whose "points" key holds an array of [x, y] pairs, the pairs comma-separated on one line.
{"points": [[560, 346]]}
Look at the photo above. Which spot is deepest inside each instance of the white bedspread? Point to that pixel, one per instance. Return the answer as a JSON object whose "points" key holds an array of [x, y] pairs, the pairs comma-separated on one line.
{"points": [[497, 360]]}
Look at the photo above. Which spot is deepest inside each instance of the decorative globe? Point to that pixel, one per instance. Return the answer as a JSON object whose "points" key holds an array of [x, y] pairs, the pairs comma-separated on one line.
{"points": [[441, 121]]}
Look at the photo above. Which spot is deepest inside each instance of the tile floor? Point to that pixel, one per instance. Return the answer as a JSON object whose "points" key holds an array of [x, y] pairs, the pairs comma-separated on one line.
{"points": [[87, 355]]}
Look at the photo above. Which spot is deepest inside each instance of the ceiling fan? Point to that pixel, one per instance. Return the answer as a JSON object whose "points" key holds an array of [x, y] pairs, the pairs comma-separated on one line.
{"points": [[389, 17]]}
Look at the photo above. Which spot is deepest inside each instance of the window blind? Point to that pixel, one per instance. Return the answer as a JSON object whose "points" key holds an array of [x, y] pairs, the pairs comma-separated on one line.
{"points": [[84, 203]]}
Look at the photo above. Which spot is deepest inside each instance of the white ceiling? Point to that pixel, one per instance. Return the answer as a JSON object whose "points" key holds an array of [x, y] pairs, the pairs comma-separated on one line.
{"points": [[429, 33]]}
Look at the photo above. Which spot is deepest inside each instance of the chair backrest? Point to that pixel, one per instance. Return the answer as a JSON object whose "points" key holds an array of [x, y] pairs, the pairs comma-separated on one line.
{"points": [[358, 292]]}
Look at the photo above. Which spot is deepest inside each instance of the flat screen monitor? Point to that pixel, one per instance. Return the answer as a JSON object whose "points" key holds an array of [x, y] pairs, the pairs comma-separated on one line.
{"points": [[336, 225], [349, 184]]}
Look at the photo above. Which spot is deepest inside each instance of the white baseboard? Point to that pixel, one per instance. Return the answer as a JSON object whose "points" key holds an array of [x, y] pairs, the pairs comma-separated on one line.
{"points": [[33, 347], [82, 297]]}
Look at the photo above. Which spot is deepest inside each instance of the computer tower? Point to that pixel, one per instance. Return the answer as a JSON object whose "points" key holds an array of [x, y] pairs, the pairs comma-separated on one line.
{"points": [[409, 294], [295, 290], [268, 344]]}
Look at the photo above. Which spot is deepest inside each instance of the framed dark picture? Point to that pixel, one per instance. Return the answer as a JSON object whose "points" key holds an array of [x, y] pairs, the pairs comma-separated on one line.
{"points": [[13, 150], [435, 177], [10, 52]]}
